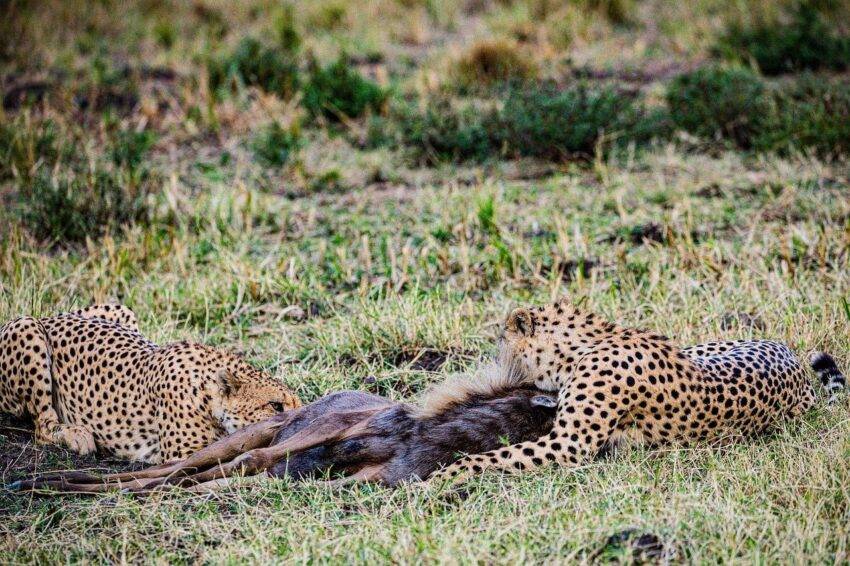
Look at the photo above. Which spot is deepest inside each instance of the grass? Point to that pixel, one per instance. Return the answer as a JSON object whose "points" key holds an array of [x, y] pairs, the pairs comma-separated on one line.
{"points": [[380, 250]]}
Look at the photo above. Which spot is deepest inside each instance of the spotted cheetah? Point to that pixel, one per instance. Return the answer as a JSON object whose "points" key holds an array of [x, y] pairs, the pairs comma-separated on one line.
{"points": [[90, 380], [618, 383]]}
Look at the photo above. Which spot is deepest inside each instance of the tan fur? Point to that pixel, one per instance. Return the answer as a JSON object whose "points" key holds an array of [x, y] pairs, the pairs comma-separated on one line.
{"points": [[90, 380], [490, 380], [617, 383]]}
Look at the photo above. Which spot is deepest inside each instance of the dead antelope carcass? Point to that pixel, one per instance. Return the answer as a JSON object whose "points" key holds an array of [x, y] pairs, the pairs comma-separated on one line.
{"points": [[355, 435]]}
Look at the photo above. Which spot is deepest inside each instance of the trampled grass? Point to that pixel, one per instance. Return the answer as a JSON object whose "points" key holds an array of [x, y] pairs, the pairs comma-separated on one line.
{"points": [[339, 263]]}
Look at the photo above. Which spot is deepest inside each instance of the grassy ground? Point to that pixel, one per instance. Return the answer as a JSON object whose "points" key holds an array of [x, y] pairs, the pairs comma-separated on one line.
{"points": [[336, 262]]}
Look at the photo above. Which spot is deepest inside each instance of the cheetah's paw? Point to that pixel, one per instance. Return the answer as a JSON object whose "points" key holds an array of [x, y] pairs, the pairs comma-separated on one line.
{"points": [[77, 438]]}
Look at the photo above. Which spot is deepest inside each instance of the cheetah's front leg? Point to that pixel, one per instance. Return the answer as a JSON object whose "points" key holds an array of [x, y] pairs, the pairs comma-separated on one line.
{"points": [[583, 423]]}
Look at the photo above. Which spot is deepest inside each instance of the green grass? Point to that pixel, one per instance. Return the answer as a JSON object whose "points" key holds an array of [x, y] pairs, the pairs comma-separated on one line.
{"points": [[381, 252]]}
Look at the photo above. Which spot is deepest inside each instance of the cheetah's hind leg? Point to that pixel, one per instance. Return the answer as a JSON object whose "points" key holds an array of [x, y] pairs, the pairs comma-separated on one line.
{"points": [[30, 372]]}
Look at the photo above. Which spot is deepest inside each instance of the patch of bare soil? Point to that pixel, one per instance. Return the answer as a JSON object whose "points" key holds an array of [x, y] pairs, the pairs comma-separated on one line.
{"points": [[21, 457]]}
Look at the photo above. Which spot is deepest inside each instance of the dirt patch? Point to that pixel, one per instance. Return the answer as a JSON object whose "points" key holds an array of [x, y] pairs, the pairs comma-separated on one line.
{"points": [[420, 359], [630, 545], [429, 360], [743, 320], [568, 270], [20, 457]]}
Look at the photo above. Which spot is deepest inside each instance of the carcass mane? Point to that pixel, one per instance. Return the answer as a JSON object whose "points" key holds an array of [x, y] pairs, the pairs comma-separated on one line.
{"points": [[492, 379]]}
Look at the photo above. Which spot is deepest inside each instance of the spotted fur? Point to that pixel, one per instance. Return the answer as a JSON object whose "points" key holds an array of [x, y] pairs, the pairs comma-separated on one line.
{"points": [[90, 380], [616, 382]]}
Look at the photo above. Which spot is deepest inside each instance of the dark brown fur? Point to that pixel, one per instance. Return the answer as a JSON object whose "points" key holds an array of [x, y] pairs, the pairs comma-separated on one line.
{"points": [[362, 436], [407, 446]]}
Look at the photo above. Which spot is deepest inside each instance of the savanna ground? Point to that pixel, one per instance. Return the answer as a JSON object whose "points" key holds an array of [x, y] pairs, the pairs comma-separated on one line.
{"points": [[356, 193]]}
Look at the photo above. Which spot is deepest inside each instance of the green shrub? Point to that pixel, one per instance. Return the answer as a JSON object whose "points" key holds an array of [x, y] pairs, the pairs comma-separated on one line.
{"points": [[251, 63], [545, 121], [274, 145], [69, 196], [812, 113], [337, 90], [67, 209], [717, 102], [444, 131], [807, 43]]}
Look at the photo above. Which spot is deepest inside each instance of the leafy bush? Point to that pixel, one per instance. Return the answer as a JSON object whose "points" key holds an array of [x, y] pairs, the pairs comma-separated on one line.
{"points": [[810, 114], [545, 121], [337, 90], [718, 102], [444, 131], [491, 62], [70, 196], [275, 144], [251, 63], [69, 208], [807, 43]]}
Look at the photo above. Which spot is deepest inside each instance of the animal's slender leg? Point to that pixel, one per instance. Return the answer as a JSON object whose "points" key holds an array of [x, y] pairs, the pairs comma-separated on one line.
{"points": [[250, 437], [327, 428]]}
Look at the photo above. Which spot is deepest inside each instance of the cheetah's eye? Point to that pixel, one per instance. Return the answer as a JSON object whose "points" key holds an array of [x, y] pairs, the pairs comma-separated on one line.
{"points": [[277, 406]]}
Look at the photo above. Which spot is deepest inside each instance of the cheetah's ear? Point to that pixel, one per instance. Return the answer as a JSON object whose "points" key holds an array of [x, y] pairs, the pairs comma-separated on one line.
{"points": [[227, 382], [544, 402], [521, 322]]}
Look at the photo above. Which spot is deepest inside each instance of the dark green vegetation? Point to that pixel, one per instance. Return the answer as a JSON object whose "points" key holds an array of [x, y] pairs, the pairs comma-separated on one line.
{"points": [[807, 42], [357, 205]]}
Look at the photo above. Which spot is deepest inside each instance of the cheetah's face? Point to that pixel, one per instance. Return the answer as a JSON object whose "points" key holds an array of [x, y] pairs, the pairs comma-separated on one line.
{"points": [[542, 344], [243, 402]]}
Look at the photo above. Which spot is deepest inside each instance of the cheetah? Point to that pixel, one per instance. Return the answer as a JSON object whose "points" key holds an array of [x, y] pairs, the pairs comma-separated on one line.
{"points": [[618, 384], [90, 380]]}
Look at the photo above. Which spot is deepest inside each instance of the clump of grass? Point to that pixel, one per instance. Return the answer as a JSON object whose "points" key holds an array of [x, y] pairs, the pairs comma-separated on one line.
{"points": [[811, 113], [337, 90], [328, 16], [545, 121], [66, 199], [446, 131], [620, 12], [490, 62], [736, 105], [270, 68], [24, 144], [808, 42], [534, 119], [287, 36], [275, 144], [130, 147], [69, 208], [717, 102]]}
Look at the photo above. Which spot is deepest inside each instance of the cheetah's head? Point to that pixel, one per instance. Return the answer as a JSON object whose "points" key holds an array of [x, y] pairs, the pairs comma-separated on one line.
{"points": [[544, 343], [244, 396]]}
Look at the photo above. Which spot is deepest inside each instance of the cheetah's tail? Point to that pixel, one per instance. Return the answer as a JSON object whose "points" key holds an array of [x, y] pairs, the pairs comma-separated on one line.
{"points": [[830, 376]]}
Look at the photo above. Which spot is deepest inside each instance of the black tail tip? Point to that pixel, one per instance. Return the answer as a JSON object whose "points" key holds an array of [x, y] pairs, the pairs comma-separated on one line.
{"points": [[823, 362]]}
